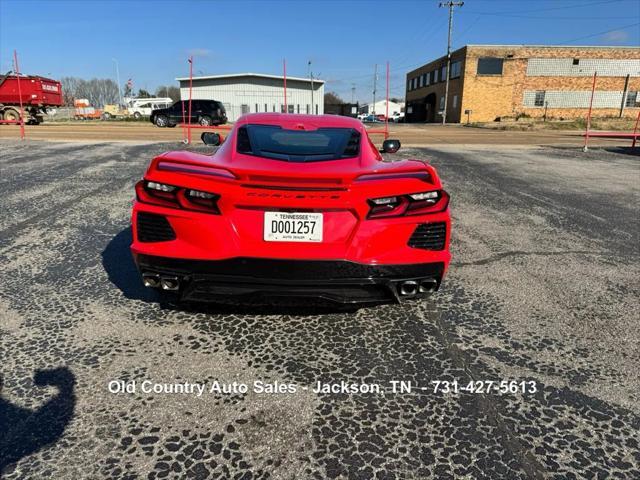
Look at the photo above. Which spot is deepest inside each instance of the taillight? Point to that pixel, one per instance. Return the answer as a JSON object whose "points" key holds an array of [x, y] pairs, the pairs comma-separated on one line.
{"points": [[164, 195], [411, 204]]}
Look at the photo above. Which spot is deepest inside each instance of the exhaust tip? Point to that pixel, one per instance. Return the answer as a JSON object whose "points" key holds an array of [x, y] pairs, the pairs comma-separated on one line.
{"points": [[170, 283], [408, 288], [428, 286], [151, 280]]}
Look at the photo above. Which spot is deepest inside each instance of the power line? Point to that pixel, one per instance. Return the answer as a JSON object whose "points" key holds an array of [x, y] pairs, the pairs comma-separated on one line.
{"points": [[579, 5], [597, 33]]}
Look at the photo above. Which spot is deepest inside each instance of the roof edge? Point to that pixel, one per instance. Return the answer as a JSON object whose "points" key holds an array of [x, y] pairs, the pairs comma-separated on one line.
{"points": [[251, 74]]}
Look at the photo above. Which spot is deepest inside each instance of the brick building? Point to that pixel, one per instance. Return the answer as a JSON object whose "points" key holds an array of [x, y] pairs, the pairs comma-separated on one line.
{"points": [[498, 81]]}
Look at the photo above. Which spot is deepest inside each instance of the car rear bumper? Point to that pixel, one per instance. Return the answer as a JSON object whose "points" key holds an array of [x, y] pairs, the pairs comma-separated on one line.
{"points": [[262, 281]]}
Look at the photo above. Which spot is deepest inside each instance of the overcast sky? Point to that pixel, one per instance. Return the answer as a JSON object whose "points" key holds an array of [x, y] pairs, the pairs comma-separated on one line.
{"points": [[151, 40]]}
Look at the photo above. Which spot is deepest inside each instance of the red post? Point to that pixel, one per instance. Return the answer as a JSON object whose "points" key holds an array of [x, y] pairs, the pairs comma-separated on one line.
{"points": [[386, 119], [190, 95], [635, 132], [284, 69], [588, 126], [15, 60]]}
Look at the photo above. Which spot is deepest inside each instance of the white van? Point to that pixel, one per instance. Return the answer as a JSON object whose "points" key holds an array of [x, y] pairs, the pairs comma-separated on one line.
{"points": [[142, 107]]}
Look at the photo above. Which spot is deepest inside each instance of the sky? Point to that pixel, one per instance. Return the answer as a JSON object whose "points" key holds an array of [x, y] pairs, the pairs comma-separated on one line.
{"points": [[150, 41]]}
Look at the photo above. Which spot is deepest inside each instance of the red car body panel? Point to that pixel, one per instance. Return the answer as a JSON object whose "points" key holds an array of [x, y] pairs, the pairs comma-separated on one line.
{"points": [[248, 186]]}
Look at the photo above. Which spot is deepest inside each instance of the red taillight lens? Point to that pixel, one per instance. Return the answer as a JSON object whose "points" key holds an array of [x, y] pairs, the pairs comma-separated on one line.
{"points": [[412, 204], [156, 193]]}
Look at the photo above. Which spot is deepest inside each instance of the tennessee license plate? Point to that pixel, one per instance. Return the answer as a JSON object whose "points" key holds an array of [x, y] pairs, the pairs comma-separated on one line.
{"points": [[292, 227]]}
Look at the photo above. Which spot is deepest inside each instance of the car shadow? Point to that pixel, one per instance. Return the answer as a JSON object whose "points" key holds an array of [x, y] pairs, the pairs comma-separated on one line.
{"points": [[118, 263], [25, 431]]}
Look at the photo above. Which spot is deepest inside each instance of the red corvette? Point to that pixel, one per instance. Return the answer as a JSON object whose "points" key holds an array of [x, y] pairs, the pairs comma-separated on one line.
{"points": [[295, 206]]}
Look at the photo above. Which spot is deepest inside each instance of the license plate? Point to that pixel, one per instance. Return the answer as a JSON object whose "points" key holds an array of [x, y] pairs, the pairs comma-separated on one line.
{"points": [[292, 227]]}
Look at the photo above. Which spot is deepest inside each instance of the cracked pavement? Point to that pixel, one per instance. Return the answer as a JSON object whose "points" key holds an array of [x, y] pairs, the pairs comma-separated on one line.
{"points": [[543, 287]]}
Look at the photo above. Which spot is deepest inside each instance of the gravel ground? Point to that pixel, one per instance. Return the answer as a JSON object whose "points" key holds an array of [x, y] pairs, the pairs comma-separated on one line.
{"points": [[543, 288]]}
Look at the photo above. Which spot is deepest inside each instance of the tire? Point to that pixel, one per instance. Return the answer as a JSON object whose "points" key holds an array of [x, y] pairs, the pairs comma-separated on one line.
{"points": [[162, 121], [137, 115], [205, 121], [107, 116], [172, 125], [11, 114]]}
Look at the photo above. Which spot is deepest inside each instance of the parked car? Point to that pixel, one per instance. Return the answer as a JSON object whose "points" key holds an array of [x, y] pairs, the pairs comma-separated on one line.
{"points": [[143, 109], [397, 117], [371, 119], [296, 206], [203, 112]]}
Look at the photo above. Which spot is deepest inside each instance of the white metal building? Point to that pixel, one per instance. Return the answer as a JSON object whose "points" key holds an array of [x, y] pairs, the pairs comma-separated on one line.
{"points": [[242, 93], [380, 108]]}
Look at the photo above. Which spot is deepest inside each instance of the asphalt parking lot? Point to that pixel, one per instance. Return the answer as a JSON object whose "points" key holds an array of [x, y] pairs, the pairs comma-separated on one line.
{"points": [[543, 288]]}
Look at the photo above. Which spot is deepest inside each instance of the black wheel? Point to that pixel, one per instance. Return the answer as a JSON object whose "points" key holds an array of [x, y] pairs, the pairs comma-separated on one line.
{"points": [[172, 125], [205, 121], [106, 116], [162, 121], [137, 115]]}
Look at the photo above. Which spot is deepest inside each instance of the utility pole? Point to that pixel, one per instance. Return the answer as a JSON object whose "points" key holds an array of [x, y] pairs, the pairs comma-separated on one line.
{"points": [[375, 84], [118, 79], [449, 4], [311, 77]]}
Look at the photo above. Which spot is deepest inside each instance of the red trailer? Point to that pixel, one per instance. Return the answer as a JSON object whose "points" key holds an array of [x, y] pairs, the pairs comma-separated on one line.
{"points": [[38, 93]]}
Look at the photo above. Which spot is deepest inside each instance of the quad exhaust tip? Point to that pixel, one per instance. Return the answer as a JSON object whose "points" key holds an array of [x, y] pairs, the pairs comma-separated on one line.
{"points": [[170, 283], [428, 286], [151, 280], [409, 288]]}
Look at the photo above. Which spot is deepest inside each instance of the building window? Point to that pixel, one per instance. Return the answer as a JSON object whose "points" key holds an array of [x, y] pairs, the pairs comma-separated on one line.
{"points": [[427, 78], [297, 108], [307, 109], [282, 108], [576, 61], [266, 109], [290, 108], [632, 99], [316, 109], [455, 70], [274, 108], [244, 109], [435, 76], [489, 66], [256, 108], [442, 103], [421, 84], [539, 98], [443, 73], [455, 101]]}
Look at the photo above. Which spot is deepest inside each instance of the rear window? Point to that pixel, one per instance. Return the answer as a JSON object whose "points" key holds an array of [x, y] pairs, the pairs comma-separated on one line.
{"points": [[272, 141]]}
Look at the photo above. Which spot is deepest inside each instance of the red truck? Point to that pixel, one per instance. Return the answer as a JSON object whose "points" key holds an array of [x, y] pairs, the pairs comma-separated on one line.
{"points": [[38, 93]]}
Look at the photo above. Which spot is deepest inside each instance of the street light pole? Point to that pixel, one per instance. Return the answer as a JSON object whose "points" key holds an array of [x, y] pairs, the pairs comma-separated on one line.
{"points": [[311, 77], [449, 4], [375, 85], [118, 79]]}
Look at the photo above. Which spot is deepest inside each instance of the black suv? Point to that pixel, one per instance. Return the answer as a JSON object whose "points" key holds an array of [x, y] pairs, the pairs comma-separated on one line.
{"points": [[204, 112]]}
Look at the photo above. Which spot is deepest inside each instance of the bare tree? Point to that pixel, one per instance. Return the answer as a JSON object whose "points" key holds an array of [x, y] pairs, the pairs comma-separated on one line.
{"points": [[168, 91], [332, 98], [99, 91]]}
